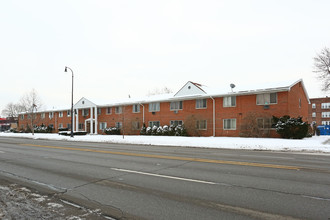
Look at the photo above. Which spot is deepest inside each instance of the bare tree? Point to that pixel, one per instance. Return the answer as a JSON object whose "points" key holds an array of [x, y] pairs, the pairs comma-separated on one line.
{"points": [[12, 110], [30, 104], [322, 67]]}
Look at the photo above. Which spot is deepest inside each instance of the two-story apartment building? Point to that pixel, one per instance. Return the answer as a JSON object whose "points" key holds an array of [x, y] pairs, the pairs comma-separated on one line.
{"points": [[203, 111], [319, 111]]}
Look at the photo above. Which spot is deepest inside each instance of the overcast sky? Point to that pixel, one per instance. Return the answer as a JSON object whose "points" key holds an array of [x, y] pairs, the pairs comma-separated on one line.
{"points": [[120, 48]]}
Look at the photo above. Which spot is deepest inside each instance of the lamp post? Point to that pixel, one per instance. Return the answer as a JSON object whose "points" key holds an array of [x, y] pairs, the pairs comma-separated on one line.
{"points": [[66, 70]]}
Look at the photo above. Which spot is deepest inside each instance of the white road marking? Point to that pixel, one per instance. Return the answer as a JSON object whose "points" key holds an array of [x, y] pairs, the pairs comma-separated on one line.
{"points": [[1, 152], [164, 176]]}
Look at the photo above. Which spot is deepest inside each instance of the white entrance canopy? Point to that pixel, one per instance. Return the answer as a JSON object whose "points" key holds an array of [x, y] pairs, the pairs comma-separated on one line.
{"points": [[84, 103]]}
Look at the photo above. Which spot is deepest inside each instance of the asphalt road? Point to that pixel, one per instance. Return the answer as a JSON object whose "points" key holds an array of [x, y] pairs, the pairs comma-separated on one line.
{"points": [[150, 182]]}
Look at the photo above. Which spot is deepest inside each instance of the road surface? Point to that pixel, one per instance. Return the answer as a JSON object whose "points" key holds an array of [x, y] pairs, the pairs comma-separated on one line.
{"points": [[150, 182]]}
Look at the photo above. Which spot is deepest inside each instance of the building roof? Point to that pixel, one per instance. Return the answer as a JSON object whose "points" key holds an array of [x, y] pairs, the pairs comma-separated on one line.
{"points": [[192, 90]]}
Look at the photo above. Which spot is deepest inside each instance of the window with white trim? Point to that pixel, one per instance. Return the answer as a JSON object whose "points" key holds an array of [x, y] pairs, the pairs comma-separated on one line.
{"points": [[22, 117], [81, 126], [119, 125], [154, 123], [313, 105], [313, 114], [118, 110], [176, 122], [229, 101], [99, 111], [325, 122], [266, 98], [201, 124], [85, 112], [68, 125], [264, 123], [201, 104], [60, 114], [109, 110], [325, 114], [103, 125], [68, 113], [229, 124], [154, 107], [176, 105], [136, 108], [51, 115], [42, 115], [60, 125], [325, 105]]}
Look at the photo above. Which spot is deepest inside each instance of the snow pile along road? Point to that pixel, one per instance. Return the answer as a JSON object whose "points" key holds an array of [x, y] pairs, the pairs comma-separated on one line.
{"points": [[313, 144]]}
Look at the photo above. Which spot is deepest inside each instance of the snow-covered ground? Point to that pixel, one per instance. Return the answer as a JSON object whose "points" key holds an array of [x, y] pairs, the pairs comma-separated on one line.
{"points": [[315, 144]]}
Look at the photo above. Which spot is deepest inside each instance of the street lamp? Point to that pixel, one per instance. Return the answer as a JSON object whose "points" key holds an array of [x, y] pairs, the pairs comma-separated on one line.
{"points": [[66, 70]]}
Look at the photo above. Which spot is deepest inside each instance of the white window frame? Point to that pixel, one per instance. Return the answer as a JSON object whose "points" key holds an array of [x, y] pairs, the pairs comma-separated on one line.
{"points": [[325, 114], [42, 115], [177, 105], [22, 117], [99, 111], [313, 105], [60, 125], [201, 124], [118, 110], [85, 112], [136, 125], [325, 105], [136, 108], [314, 114], [201, 103], [176, 122], [229, 101], [265, 98], [154, 107], [232, 122], [60, 114], [119, 124], [103, 125], [325, 122], [68, 113], [109, 111], [51, 115]]}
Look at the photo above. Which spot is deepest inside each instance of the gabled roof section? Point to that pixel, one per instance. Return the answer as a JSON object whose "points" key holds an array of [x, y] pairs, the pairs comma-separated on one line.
{"points": [[304, 88], [84, 103], [191, 88]]}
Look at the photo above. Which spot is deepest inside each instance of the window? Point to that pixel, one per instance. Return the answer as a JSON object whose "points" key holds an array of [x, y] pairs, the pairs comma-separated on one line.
{"points": [[103, 125], [266, 98], [99, 111], [42, 115], [154, 107], [118, 110], [154, 123], [201, 124], [325, 105], [81, 126], [22, 117], [60, 125], [264, 123], [176, 105], [313, 114], [229, 101], [136, 125], [68, 126], [229, 124], [51, 125], [51, 115], [60, 114], [313, 105], [109, 110], [119, 125], [200, 103], [136, 108], [85, 112], [68, 113], [325, 114], [325, 122], [176, 123]]}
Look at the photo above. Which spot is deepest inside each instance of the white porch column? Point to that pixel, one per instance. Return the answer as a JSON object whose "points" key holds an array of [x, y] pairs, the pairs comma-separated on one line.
{"points": [[91, 121], [96, 115], [77, 120], [72, 115]]}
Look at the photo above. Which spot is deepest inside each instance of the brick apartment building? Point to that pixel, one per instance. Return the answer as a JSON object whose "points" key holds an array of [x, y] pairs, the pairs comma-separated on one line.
{"points": [[319, 111], [203, 111]]}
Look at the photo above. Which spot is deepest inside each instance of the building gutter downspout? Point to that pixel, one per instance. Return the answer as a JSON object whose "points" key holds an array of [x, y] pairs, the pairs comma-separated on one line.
{"points": [[213, 115], [142, 113]]}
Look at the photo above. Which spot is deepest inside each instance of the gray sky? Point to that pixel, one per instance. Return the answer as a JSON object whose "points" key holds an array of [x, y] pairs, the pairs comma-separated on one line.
{"points": [[121, 48]]}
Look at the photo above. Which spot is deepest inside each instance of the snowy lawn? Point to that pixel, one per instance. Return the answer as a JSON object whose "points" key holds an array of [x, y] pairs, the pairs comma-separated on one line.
{"points": [[314, 144]]}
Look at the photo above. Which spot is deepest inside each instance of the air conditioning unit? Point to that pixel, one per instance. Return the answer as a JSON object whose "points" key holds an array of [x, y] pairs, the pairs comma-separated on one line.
{"points": [[266, 106], [153, 113], [176, 111]]}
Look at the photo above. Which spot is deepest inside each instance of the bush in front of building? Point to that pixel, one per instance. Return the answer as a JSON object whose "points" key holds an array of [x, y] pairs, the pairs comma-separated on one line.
{"points": [[43, 129], [112, 131], [165, 130], [291, 128]]}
